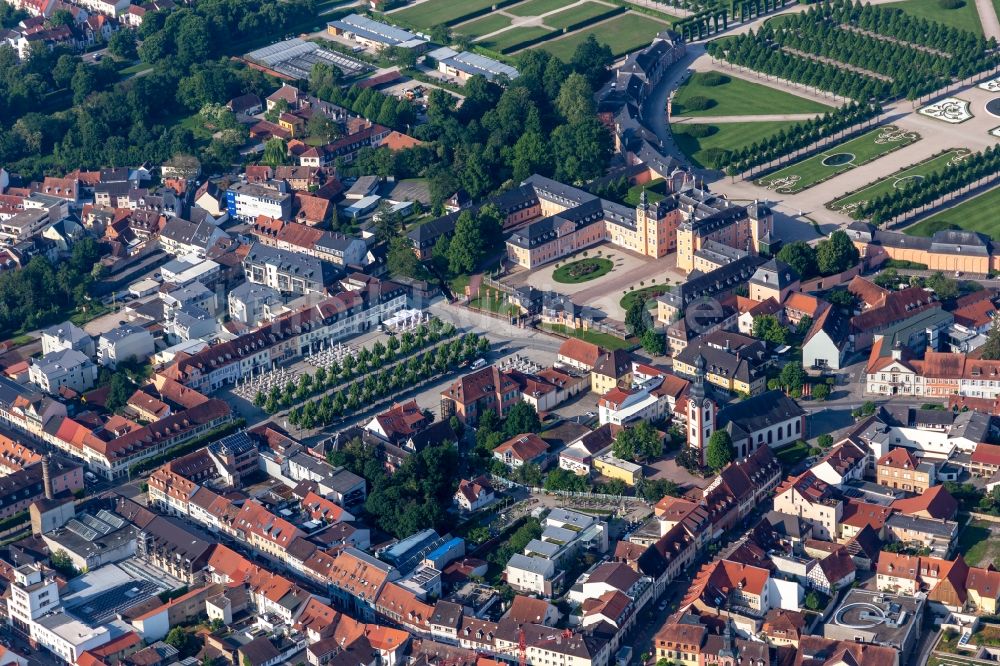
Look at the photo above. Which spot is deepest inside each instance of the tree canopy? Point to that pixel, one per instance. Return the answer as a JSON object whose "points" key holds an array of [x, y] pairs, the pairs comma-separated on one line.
{"points": [[521, 418], [801, 256], [720, 451], [836, 253], [767, 327], [639, 442]]}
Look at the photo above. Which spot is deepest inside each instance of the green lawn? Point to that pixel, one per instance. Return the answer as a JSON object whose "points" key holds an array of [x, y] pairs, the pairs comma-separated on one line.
{"points": [[728, 136], [483, 26], [23, 339], [793, 453], [624, 34], [573, 272], [736, 97], [977, 544], [645, 293], [135, 69], [965, 17], [536, 7], [655, 191], [810, 171], [851, 202], [509, 38], [435, 12], [601, 339], [975, 214], [494, 304], [579, 13]]}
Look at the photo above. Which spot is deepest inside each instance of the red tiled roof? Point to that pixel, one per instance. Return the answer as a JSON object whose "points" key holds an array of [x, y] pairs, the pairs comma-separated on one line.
{"points": [[523, 447], [935, 502], [585, 353], [320, 508], [526, 609], [975, 315], [986, 454], [869, 293], [396, 601], [900, 458], [399, 141], [859, 514]]}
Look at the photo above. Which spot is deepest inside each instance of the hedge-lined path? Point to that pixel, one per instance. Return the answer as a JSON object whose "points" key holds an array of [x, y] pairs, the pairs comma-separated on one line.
{"points": [[528, 21], [714, 120]]}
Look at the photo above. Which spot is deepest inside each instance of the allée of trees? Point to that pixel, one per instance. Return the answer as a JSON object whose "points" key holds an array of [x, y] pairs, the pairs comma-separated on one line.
{"points": [[972, 171], [802, 46], [799, 136]]}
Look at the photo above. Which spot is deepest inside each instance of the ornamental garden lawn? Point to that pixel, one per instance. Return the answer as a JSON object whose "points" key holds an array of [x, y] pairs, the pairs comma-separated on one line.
{"points": [[578, 13], [964, 17], [851, 202], [836, 160], [582, 270], [504, 40], [623, 34], [722, 136], [428, 14], [536, 7], [975, 214], [483, 25], [737, 97]]}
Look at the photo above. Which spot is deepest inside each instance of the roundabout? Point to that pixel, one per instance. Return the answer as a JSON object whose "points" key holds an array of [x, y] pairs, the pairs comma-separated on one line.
{"points": [[838, 159], [993, 107]]}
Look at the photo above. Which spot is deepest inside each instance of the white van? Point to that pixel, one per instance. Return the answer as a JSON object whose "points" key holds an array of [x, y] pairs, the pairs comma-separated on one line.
{"points": [[478, 364]]}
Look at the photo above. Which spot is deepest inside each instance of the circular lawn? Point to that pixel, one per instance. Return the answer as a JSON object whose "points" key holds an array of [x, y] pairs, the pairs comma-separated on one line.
{"points": [[582, 270]]}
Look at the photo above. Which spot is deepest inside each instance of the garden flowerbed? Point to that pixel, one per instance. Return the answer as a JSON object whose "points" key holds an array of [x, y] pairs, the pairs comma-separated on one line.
{"points": [[582, 270]]}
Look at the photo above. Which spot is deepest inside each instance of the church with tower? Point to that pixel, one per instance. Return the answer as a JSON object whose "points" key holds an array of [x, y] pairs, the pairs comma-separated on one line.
{"points": [[769, 419]]}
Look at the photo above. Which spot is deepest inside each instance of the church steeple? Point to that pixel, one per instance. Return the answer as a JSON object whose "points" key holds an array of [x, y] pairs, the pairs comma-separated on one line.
{"points": [[701, 411], [697, 391]]}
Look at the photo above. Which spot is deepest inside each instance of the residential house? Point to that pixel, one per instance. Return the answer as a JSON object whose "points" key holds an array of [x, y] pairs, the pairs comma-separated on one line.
{"points": [[475, 494], [826, 342], [125, 343], [522, 450], [67, 368], [900, 469], [475, 393], [67, 336]]}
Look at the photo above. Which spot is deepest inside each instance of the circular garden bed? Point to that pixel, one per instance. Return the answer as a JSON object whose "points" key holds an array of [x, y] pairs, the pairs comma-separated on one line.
{"points": [[582, 270], [838, 159]]}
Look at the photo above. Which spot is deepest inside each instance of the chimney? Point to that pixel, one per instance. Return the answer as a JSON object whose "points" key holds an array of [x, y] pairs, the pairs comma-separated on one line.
{"points": [[46, 478]]}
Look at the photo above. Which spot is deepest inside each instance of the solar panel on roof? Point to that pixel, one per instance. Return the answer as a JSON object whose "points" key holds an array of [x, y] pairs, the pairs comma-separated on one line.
{"points": [[95, 524], [112, 519], [81, 530]]}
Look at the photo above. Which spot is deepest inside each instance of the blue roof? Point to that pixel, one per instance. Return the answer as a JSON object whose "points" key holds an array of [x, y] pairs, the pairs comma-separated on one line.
{"points": [[443, 549]]}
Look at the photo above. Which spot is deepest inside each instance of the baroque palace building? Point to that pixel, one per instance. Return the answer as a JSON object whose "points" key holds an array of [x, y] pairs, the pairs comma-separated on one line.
{"points": [[947, 250], [707, 231]]}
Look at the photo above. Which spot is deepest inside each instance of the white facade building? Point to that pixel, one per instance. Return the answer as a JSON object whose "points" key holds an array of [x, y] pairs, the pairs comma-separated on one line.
{"points": [[69, 368], [127, 342]]}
